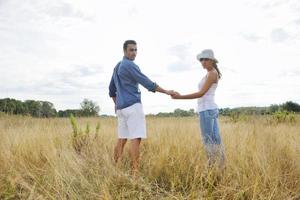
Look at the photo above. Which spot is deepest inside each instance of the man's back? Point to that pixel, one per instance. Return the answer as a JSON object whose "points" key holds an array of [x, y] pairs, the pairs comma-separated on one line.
{"points": [[124, 83]]}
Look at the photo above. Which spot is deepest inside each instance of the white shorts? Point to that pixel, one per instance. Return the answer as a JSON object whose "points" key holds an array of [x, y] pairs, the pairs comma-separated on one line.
{"points": [[132, 122]]}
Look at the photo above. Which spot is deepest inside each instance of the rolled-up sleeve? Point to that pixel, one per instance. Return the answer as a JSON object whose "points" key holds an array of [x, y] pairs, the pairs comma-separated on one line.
{"points": [[112, 87], [142, 79]]}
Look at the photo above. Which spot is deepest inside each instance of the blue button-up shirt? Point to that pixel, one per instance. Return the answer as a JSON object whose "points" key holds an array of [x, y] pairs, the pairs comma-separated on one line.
{"points": [[124, 83]]}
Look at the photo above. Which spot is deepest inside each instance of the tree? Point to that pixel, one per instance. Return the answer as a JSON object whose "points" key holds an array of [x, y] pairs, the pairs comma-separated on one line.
{"points": [[225, 111], [89, 108], [291, 106], [20, 108], [9, 106], [34, 108], [273, 108], [47, 109], [68, 112]]}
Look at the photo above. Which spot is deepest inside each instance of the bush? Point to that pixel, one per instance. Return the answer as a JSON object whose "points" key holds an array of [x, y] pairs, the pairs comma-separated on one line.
{"points": [[82, 139], [237, 117], [283, 116]]}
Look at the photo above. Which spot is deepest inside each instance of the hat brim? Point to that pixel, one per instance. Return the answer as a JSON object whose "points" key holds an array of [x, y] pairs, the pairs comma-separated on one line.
{"points": [[200, 56]]}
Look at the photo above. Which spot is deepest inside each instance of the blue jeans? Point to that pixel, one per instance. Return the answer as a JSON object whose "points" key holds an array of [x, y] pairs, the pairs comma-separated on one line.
{"points": [[211, 136]]}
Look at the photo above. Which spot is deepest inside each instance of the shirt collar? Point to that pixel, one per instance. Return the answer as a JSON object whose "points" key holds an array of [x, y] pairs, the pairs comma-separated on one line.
{"points": [[125, 58]]}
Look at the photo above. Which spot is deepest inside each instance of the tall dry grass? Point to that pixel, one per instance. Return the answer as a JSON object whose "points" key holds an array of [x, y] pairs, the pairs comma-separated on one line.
{"points": [[38, 161]]}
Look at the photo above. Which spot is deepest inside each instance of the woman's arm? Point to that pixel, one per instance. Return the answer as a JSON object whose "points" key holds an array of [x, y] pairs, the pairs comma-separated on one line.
{"points": [[211, 78]]}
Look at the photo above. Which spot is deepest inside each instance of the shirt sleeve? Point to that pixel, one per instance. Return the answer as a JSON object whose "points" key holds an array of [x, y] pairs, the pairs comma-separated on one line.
{"points": [[112, 87], [142, 79]]}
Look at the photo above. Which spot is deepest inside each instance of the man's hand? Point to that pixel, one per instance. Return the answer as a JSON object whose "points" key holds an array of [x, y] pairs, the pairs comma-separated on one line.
{"points": [[171, 92], [176, 95], [168, 92]]}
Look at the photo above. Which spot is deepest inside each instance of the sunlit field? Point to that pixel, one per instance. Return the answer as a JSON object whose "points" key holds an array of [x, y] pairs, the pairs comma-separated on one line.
{"points": [[48, 159]]}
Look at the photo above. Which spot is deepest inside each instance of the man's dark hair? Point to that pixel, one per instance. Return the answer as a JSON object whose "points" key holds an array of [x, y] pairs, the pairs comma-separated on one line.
{"points": [[127, 42]]}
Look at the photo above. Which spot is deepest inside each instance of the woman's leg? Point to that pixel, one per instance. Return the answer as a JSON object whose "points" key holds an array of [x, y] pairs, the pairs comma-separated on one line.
{"points": [[206, 126], [211, 136], [219, 148]]}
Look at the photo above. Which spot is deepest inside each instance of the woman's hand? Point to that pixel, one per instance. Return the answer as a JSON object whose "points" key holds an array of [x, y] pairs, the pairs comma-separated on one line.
{"points": [[173, 94], [176, 95], [170, 92]]}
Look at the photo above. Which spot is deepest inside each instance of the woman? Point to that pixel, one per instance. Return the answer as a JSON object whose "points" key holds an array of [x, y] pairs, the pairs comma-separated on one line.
{"points": [[207, 108]]}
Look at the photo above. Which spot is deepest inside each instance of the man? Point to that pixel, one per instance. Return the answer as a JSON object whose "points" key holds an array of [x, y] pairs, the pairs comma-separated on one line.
{"points": [[124, 91]]}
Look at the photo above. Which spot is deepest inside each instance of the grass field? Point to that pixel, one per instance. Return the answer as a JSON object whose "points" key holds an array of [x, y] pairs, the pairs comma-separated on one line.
{"points": [[38, 161]]}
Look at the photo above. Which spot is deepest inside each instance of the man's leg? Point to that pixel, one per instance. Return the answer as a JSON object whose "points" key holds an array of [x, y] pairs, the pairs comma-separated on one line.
{"points": [[135, 154], [119, 149]]}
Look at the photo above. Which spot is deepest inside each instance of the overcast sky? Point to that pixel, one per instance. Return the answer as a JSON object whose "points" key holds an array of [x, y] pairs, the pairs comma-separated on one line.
{"points": [[65, 51]]}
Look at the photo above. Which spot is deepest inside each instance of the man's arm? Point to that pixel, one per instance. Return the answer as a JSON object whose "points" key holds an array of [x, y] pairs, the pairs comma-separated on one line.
{"points": [[142, 79], [114, 100], [112, 88], [113, 91], [161, 90]]}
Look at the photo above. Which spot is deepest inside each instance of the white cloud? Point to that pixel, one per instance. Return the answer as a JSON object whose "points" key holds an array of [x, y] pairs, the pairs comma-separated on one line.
{"points": [[251, 37], [181, 55], [279, 35]]}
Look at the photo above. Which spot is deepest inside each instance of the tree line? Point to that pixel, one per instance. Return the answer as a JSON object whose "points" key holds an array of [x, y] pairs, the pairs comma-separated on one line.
{"points": [[288, 106], [35, 108], [88, 108]]}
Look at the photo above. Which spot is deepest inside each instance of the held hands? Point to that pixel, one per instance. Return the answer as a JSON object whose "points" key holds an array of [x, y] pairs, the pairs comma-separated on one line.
{"points": [[170, 92], [173, 94]]}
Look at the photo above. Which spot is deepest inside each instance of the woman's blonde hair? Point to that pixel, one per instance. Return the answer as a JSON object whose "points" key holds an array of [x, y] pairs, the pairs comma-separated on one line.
{"points": [[216, 67]]}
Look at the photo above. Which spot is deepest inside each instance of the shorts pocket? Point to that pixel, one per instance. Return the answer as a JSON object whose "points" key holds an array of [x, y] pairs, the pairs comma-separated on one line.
{"points": [[139, 109], [118, 113]]}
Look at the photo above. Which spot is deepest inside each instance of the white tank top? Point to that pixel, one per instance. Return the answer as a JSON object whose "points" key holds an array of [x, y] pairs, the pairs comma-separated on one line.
{"points": [[207, 101]]}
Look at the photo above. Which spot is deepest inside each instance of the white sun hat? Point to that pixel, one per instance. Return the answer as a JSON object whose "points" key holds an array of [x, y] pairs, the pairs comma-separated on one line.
{"points": [[207, 53]]}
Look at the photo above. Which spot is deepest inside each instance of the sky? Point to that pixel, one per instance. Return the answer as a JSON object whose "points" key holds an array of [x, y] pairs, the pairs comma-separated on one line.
{"points": [[63, 51]]}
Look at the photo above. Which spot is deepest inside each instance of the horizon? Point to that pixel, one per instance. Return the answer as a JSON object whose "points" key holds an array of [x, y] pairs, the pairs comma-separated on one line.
{"points": [[107, 114]]}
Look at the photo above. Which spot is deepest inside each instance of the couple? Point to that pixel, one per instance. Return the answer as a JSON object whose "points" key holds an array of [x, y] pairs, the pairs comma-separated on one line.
{"points": [[124, 91]]}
